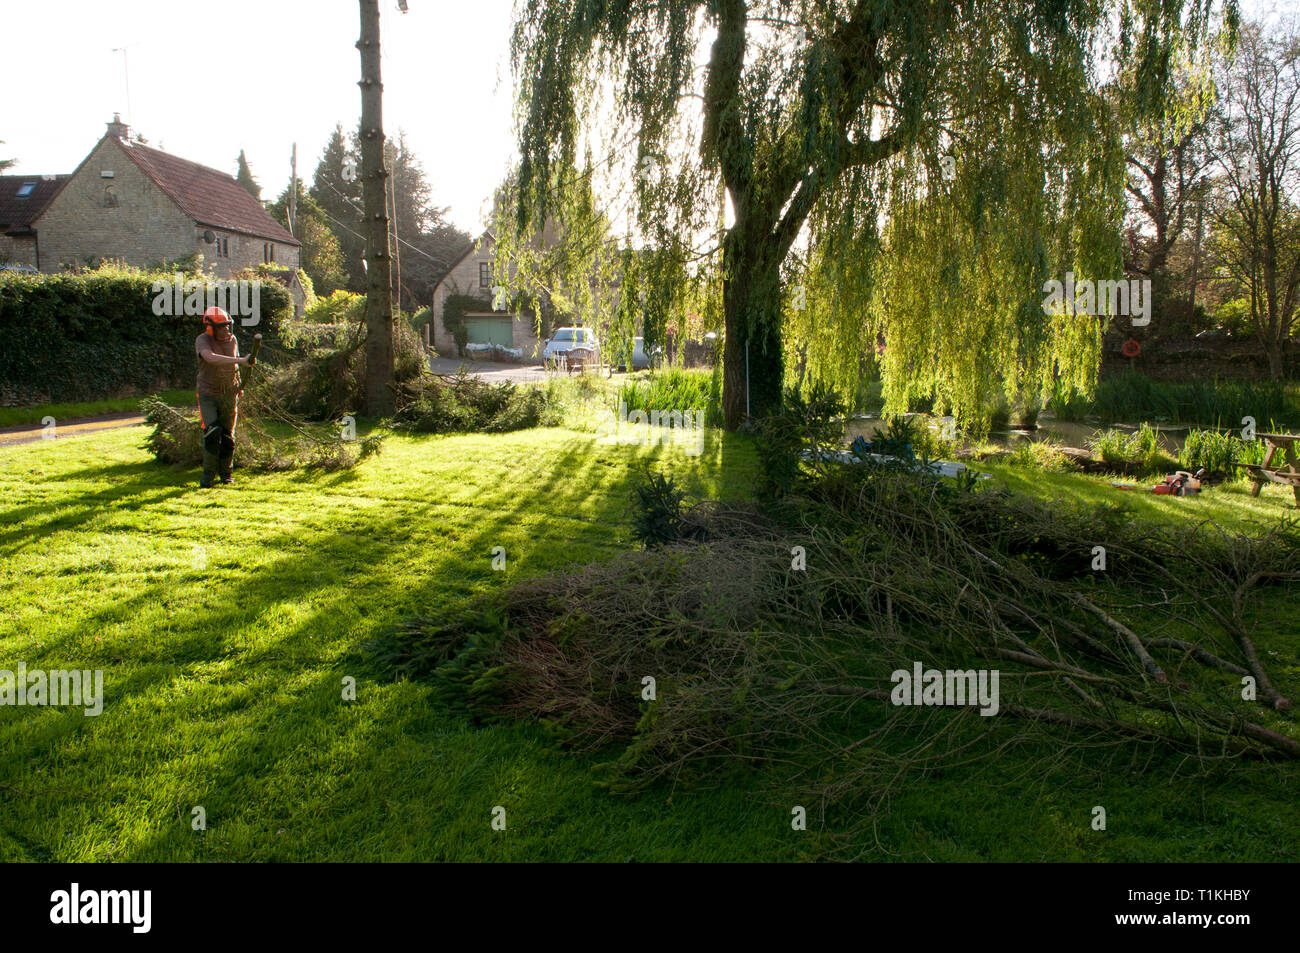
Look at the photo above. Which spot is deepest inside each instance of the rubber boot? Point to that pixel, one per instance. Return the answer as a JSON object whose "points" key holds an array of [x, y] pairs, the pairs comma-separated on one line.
{"points": [[226, 462], [212, 450]]}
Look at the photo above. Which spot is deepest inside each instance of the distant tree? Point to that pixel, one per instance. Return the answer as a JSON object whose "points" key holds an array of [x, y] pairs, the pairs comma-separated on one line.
{"points": [[1168, 163], [1256, 143], [336, 187], [245, 178], [322, 259], [5, 163], [429, 243]]}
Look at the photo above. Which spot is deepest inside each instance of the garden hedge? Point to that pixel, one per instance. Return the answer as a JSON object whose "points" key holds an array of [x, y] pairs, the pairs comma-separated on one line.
{"points": [[94, 335]]}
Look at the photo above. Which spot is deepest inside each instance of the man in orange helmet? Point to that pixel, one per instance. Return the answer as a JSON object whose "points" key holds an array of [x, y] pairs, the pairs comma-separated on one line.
{"points": [[218, 394]]}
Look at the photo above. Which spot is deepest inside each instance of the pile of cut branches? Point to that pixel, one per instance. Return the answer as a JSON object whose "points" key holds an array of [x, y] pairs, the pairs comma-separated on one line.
{"points": [[776, 637], [267, 440], [328, 383]]}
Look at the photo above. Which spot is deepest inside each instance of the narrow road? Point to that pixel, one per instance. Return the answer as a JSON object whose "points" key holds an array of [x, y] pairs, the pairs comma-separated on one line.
{"points": [[496, 373], [73, 427]]}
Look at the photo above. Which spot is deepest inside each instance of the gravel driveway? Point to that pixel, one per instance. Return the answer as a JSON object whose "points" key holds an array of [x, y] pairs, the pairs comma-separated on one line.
{"points": [[491, 371]]}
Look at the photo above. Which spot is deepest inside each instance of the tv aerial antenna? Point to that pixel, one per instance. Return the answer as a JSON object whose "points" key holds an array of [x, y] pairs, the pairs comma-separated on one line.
{"points": [[126, 78]]}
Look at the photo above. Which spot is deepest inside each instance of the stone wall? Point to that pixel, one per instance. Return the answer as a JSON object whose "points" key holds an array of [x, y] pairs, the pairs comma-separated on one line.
{"points": [[232, 252], [17, 250]]}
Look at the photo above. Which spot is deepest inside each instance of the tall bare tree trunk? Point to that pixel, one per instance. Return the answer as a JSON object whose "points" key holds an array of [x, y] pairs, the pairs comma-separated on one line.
{"points": [[1196, 256], [753, 365], [374, 173]]}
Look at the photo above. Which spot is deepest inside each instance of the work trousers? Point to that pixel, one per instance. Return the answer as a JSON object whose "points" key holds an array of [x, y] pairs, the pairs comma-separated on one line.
{"points": [[217, 417]]}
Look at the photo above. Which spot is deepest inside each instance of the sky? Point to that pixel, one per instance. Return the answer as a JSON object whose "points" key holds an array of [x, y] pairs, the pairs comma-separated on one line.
{"points": [[207, 79], [210, 78]]}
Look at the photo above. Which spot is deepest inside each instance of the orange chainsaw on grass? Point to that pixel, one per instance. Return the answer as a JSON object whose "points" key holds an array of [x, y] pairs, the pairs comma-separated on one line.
{"points": [[1180, 483]]}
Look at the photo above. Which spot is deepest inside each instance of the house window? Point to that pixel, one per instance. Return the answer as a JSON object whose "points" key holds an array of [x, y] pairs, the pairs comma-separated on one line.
{"points": [[222, 248], [26, 189], [485, 274], [268, 252]]}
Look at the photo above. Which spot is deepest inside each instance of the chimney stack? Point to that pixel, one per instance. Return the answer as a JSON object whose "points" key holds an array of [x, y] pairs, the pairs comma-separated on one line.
{"points": [[118, 128]]}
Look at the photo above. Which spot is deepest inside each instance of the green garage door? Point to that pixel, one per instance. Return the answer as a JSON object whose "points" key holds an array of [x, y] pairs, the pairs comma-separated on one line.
{"points": [[490, 331]]}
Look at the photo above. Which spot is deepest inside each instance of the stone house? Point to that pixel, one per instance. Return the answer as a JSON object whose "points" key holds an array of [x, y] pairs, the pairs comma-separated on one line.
{"points": [[22, 199], [472, 274], [141, 205]]}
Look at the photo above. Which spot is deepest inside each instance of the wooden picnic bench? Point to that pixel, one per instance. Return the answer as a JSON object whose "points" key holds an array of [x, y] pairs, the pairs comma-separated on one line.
{"points": [[1281, 464]]}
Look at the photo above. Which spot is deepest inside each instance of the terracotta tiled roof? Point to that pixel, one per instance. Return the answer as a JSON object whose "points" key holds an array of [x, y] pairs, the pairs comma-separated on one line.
{"points": [[17, 214], [208, 196], [286, 276]]}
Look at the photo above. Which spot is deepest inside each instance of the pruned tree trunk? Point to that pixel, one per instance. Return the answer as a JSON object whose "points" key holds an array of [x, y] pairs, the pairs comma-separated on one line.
{"points": [[379, 299], [1276, 364], [752, 357]]}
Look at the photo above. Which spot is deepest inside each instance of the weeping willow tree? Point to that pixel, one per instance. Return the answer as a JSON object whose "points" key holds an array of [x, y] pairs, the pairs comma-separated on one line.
{"points": [[914, 170], [562, 270]]}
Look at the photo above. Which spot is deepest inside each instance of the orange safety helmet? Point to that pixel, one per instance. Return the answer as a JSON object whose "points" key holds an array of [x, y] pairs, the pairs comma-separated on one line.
{"points": [[214, 316]]}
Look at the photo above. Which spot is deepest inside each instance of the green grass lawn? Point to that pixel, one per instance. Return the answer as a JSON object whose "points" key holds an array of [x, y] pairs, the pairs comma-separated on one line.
{"points": [[1228, 504], [225, 622]]}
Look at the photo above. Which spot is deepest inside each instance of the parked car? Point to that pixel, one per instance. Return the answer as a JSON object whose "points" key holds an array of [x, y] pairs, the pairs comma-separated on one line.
{"points": [[566, 339], [641, 360], [18, 266]]}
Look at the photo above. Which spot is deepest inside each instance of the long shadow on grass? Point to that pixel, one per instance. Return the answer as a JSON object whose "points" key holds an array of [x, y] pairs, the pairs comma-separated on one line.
{"points": [[346, 608], [132, 486]]}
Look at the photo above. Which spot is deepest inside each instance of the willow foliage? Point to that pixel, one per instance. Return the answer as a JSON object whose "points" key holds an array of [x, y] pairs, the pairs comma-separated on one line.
{"points": [[898, 170]]}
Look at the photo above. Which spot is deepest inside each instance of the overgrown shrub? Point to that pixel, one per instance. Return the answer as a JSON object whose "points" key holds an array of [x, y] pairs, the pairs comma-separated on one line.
{"points": [[1141, 447], [342, 307], [1038, 455], [421, 318], [657, 509], [94, 335], [813, 423], [900, 438], [1110, 446]]}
